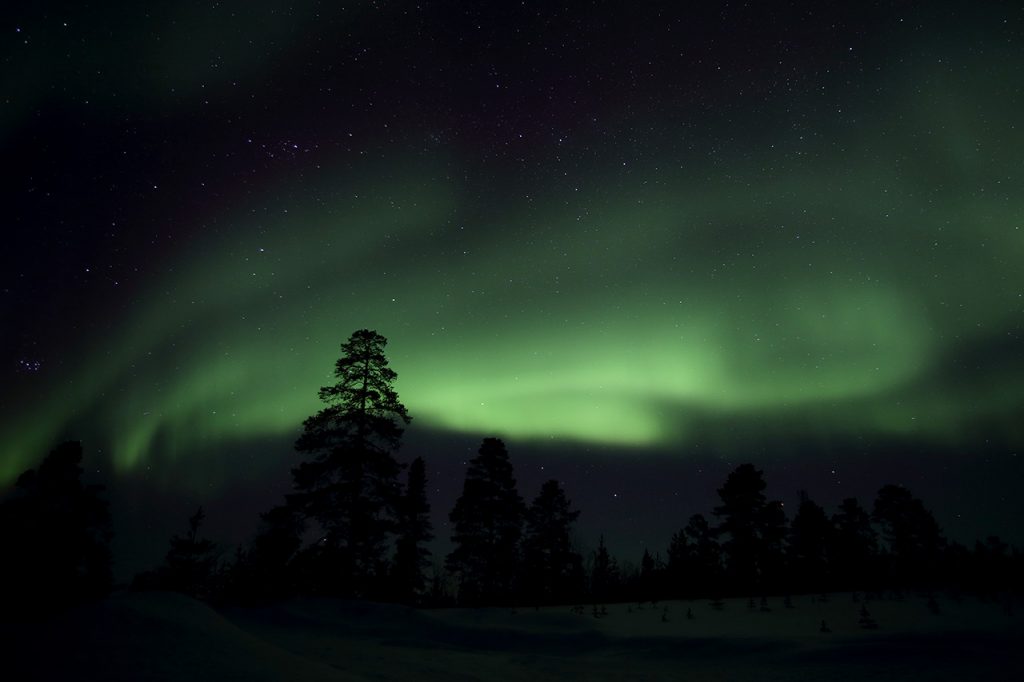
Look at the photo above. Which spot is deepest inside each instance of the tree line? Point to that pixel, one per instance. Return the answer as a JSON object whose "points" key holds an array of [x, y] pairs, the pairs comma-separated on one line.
{"points": [[351, 528]]}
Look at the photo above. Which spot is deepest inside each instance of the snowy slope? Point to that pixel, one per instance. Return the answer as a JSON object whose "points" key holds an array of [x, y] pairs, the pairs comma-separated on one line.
{"points": [[169, 637], [151, 636]]}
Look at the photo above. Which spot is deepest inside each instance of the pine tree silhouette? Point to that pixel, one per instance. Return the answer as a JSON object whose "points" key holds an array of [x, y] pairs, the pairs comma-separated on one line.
{"points": [[191, 561], [754, 529], [866, 621], [854, 546], [553, 570], [487, 525], [412, 558], [647, 578], [350, 486], [265, 571], [605, 577], [680, 566], [810, 539], [56, 536], [705, 557], [912, 535], [992, 566]]}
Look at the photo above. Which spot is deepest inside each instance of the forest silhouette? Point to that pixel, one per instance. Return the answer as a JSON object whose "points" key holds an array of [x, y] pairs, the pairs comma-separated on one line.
{"points": [[352, 527]]}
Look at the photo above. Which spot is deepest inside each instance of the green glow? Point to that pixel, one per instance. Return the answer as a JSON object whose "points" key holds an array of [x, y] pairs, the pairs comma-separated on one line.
{"points": [[834, 286]]}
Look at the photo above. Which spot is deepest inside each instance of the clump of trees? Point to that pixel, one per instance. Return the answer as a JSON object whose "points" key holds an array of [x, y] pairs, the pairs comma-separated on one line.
{"points": [[754, 549], [352, 527], [56, 536], [494, 560], [750, 549]]}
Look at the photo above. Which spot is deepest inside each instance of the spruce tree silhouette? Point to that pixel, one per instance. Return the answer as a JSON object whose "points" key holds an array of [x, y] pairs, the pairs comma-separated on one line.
{"points": [[705, 557], [553, 571], [752, 526], [913, 536], [412, 558], [854, 547], [605, 577], [993, 566], [56, 537], [648, 582], [810, 539], [266, 570], [191, 561], [350, 486], [774, 531], [487, 524], [679, 568]]}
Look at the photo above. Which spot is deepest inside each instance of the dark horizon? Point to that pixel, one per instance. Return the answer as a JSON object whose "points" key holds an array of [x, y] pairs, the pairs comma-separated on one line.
{"points": [[650, 499]]}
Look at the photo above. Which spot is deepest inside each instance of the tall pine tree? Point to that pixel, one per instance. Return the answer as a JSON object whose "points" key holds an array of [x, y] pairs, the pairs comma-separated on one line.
{"points": [[553, 570], [350, 485], [854, 547], [754, 528], [488, 522], [912, 535], [705, 556], [810, 542]]}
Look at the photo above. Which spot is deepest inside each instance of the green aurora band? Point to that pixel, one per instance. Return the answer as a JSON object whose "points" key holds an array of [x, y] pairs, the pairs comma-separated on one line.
{"points": [[830, 294]]}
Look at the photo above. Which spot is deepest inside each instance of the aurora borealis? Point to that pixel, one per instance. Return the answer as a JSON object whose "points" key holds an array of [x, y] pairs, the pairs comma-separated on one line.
{"points": [[640, 232]]}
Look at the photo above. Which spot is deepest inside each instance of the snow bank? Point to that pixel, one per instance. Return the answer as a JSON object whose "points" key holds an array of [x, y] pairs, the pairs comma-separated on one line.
{"points": [[170, 637], [149, 636]]}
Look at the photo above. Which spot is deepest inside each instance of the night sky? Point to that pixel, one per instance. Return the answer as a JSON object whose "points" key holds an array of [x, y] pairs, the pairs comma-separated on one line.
{"points": [[642, 242]]}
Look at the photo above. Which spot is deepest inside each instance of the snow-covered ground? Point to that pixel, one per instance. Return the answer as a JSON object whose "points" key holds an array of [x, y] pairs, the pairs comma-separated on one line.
{"points": [[161, 636]]}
